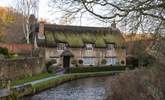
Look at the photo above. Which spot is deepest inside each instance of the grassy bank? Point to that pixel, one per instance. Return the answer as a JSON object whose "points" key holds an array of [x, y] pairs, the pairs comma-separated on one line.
{"points": [[68, 77], [30, 78], [50, 80]]}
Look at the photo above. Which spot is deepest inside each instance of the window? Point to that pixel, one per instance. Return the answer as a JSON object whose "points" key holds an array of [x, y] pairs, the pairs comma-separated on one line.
{"points": [[89, 50], [88, 61], [111, 61], [110, 46], [61, 46], [111, 52], [89, 47]]}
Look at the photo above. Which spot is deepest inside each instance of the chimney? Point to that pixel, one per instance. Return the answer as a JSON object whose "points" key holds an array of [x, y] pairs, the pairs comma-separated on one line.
{"points": [[113, 25], [41, 30], [32, 22], [32, 19]]}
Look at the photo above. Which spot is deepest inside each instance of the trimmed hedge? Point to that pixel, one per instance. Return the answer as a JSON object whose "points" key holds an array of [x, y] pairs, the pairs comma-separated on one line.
{"points": [[99, 69]]}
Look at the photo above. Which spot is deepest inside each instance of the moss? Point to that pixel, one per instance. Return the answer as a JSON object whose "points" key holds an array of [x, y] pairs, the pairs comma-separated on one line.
{"points": [[100, 43], [88, 38], [60, 37], [74, 40], [109, 38], [49, 37], [114, 38], [78, 40]]}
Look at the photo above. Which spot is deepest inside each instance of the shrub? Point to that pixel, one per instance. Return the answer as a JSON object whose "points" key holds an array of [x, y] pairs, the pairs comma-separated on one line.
{"points": [[122, 62], [97, 69], [104, 61], [49, 63], [80, 61], [4, 51], [74, 62], [140, 84]]}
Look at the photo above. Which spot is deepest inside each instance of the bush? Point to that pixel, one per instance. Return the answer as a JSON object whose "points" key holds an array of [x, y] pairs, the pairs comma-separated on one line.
{"points": [[7, 54], [104, 61], [4, 51], [97, 69], [140, 84], [49, 63], [80, 61], [74, 62], [122, 62]]}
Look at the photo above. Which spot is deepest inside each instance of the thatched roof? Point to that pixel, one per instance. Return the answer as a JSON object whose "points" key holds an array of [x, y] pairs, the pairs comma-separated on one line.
{"points": [[77, 36]]}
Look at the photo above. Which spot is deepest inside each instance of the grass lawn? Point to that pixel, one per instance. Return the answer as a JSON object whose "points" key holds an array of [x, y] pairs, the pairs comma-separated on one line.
{"points": [[31, 78], [69, 77]]}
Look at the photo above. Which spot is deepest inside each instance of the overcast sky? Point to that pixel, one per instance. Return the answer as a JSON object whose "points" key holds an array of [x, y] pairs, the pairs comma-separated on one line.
{"points": [[44, 13]]}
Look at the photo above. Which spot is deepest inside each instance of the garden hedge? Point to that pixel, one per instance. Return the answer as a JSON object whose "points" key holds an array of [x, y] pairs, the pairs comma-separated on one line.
{"points": [[98, 69]]}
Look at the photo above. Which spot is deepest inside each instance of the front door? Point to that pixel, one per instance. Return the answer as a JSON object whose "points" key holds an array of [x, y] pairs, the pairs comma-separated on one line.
{"points": [[66, 62]]}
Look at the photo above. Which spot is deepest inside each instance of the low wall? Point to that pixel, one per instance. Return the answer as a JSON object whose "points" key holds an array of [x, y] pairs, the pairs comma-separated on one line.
{"points": [[20, 68], [21, 49]]}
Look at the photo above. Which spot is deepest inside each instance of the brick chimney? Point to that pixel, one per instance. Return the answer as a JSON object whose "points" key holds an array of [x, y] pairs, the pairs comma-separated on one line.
{"points": [[41, 30]]}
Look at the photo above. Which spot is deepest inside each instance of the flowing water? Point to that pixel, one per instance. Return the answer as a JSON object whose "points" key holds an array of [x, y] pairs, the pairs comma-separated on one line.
{"points": [[96, 88]]}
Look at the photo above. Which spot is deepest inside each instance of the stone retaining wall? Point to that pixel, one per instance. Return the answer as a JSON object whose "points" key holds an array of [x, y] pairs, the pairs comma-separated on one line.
{"points": [[20, 68]]}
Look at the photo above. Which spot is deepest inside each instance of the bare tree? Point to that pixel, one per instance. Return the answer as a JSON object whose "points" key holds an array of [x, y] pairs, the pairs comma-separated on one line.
{"points": [[146, 16], [136, 13], [26, 8]]}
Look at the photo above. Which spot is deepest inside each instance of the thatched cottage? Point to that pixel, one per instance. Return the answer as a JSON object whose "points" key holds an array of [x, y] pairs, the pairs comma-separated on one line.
{"points": [[81, 45]]}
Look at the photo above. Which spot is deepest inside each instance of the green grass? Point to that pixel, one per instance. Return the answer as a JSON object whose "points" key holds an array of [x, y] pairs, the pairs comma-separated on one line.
{"points": [[31, 78], [57, 80], [68, 77]]}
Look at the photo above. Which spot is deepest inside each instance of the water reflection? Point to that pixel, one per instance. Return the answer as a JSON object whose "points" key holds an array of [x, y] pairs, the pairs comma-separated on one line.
{"points": [[96, 88]]}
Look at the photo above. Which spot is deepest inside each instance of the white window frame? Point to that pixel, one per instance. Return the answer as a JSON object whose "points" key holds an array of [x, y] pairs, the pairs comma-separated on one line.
{"points": [[113, 61], [89, 46], [89, 49], [61, 46], [89, 59], [111, 46]]}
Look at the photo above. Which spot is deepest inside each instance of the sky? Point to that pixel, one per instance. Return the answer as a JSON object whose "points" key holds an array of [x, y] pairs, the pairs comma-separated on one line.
{"points": [[46, 13], [43, 10]]}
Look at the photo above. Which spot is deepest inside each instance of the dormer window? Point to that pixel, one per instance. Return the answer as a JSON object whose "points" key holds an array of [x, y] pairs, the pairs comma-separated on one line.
{"points": [[61, 46], [88, 50], [111, 46], [89, 47], [111, 52]]}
